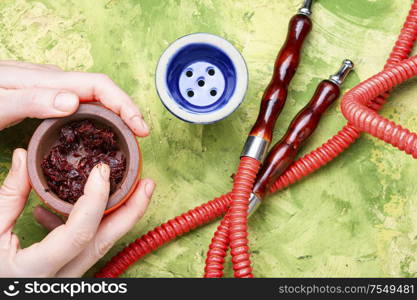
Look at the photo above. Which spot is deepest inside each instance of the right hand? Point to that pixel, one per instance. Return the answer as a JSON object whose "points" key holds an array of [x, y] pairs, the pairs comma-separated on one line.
{"points": [[71, 248]]}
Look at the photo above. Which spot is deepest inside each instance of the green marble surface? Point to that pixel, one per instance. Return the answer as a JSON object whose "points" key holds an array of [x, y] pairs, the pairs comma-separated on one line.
{"points": [[355, 217]]}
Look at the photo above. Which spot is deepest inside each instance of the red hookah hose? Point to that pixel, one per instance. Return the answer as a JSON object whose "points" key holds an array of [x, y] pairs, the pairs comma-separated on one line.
{"points": [[218, 250], [235, 223], [306, 165], [238, 216], [367, 120]]}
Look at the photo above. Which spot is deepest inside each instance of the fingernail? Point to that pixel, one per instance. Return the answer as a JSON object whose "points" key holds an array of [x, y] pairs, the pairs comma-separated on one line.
{"points": [[149, 187], [65, 102], [16, 161], [141, 122], [104, 171]]}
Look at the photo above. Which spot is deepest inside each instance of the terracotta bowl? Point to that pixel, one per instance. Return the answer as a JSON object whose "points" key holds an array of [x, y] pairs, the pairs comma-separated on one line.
{"points": [[46, 136]]}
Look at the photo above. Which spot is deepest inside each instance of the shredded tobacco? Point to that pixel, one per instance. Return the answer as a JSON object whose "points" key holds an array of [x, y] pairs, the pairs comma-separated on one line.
{"points": [[81, 146]]}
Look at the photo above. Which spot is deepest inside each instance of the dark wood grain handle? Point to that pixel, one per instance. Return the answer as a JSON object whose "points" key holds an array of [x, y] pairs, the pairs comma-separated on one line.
{"points": [[284, 152], [285, 67]]}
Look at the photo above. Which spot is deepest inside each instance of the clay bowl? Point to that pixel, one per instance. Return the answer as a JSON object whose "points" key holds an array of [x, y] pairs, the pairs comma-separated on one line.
{"points": [[46, 136]]}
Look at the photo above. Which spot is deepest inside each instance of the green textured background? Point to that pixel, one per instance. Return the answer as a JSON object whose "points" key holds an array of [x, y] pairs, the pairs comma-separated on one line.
{"points": [[355, 217]]}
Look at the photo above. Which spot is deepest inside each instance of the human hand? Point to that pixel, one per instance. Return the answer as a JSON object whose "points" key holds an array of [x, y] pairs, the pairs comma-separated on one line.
{"points": [[70, 249], [44, 91]]}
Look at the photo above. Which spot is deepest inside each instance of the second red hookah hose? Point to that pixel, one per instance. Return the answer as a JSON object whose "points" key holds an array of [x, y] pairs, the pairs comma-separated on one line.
{"points": [[164, 233], [301, 168]]}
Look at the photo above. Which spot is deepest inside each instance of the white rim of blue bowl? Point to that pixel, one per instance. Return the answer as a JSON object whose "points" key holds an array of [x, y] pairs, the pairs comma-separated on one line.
{"points": [[241, 78]]}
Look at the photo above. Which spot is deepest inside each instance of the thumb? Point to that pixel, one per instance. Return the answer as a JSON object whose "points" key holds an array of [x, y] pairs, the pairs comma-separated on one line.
{"points": [[14, 191], [89, 208], [35, 103]]}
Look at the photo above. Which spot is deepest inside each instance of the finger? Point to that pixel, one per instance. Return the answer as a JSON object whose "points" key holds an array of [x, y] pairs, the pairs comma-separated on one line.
{"points": [[9, 246], [35, 103], [14, 191], [9, 242], [47, 219], [88, 86], [29, 65], [66, 241], [111, 229]]}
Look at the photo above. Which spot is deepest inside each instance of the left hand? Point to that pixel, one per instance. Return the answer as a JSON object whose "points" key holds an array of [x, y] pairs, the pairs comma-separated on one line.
{"points": [[45, 91]]}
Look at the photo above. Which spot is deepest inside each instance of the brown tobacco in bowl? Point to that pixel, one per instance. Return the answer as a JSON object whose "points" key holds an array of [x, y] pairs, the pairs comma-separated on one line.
{"points": [[81, 146]]}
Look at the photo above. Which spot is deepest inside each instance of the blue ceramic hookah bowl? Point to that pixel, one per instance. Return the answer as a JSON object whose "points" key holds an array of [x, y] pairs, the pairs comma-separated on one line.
{"points": [[201, 78]]}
